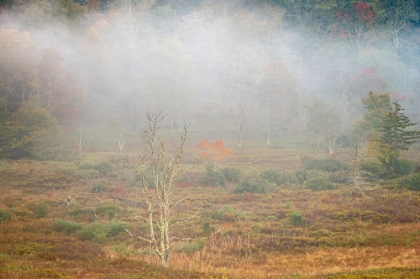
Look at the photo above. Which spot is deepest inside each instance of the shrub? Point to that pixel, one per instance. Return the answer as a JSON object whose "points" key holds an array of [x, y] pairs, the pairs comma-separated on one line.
{"points": [[296, 218], [301, 176], [411, 182], [76, 210], [252, 185], [110, 210], [328, 164], [232, 175], [397, 169], [212, 178], [41, 210], [66, 226], [346, 139], [370, 169], [95, 232], [341, 177], [86, 167], [319, 184], [226, 213], [270, 176], [138, 180], [191, 247], [104, 167], [279, 177], [116, 228], [207, 227], [5, 215], [87, 173], [403, 167], [99, 188], [123, 251]]}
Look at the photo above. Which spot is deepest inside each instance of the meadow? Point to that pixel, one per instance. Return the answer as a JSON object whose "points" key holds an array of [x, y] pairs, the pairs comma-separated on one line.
{"points": [[288, 210]]}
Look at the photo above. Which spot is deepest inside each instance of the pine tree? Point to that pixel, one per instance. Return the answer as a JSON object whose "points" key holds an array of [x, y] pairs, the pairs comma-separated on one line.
{"points": [[394, 136]]}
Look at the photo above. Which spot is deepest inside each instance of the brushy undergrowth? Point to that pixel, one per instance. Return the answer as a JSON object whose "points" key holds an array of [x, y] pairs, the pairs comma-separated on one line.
{"points": [[248, 225], [328, 164], [5, 215], [280, 177], [252, 185], [212, 177], [319, 184], [96, 232]]}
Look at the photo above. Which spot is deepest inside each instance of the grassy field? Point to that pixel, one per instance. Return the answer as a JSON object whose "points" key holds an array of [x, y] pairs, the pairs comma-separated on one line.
{"points": [[67, 220]]}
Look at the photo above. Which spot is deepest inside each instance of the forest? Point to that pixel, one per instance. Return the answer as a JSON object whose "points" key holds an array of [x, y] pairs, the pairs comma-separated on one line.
{"points": [[278, 138], [242, 69]]}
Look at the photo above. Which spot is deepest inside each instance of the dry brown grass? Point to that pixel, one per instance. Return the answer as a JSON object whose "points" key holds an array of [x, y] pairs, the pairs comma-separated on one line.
{"points": [[252, 234]]}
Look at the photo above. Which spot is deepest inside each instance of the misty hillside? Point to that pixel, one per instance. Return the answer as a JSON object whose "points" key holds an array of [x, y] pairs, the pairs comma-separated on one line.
{"points": [[237, 68], [209, 139]]}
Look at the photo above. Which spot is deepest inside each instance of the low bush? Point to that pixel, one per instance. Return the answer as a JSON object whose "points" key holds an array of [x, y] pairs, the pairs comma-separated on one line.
{"points": [[232, 175], [191, 247], [110, 210], [403, 167], [370, 169], [78, 211], [301, 176], [270, 176], [104, 167], [346, 139], [86, 167], [116, 228], [328, 164], [226, 213], [87, 173], [138, 180], [212, 178], [411, 182], [66, 226], [5, 215], [279, 177], [41, 210], [95, 232], [207, 227], [123, 251], [252, 185], [319, 184], [296, 218], [341, 177]]}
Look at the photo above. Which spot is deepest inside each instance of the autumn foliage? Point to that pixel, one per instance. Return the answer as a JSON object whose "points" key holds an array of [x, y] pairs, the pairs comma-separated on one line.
{"points": [[214, 151]]}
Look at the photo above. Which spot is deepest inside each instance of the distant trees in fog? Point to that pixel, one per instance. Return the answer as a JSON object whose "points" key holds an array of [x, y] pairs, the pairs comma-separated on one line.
{"points": [[256, 64]]}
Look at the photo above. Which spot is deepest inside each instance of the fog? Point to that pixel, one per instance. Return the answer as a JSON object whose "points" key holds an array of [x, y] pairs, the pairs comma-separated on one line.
{"points": [[226, 67]]}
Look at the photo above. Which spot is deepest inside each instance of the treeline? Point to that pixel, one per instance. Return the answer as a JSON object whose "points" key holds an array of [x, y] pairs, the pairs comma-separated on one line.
{"points": [[261, 68]]}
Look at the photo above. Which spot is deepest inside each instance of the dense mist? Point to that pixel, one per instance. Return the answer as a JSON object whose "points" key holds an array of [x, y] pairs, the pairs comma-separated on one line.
{"points": [[233, 69]]}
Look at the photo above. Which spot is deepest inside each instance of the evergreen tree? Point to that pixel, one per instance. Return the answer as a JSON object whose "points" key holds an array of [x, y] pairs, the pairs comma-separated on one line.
{"points": [[394, 136]]}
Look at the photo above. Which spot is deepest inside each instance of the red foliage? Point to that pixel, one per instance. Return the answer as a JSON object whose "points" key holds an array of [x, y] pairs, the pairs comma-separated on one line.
{"points": [[355, 23], [364, 13], [215, 150]]}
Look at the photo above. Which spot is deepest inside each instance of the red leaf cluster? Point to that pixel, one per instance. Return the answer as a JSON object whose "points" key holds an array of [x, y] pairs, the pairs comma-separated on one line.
{"points": [[214, 150]]}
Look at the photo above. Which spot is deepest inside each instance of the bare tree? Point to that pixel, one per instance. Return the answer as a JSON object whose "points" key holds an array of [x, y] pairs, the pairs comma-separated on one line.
{"points": [[158, 192]]}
